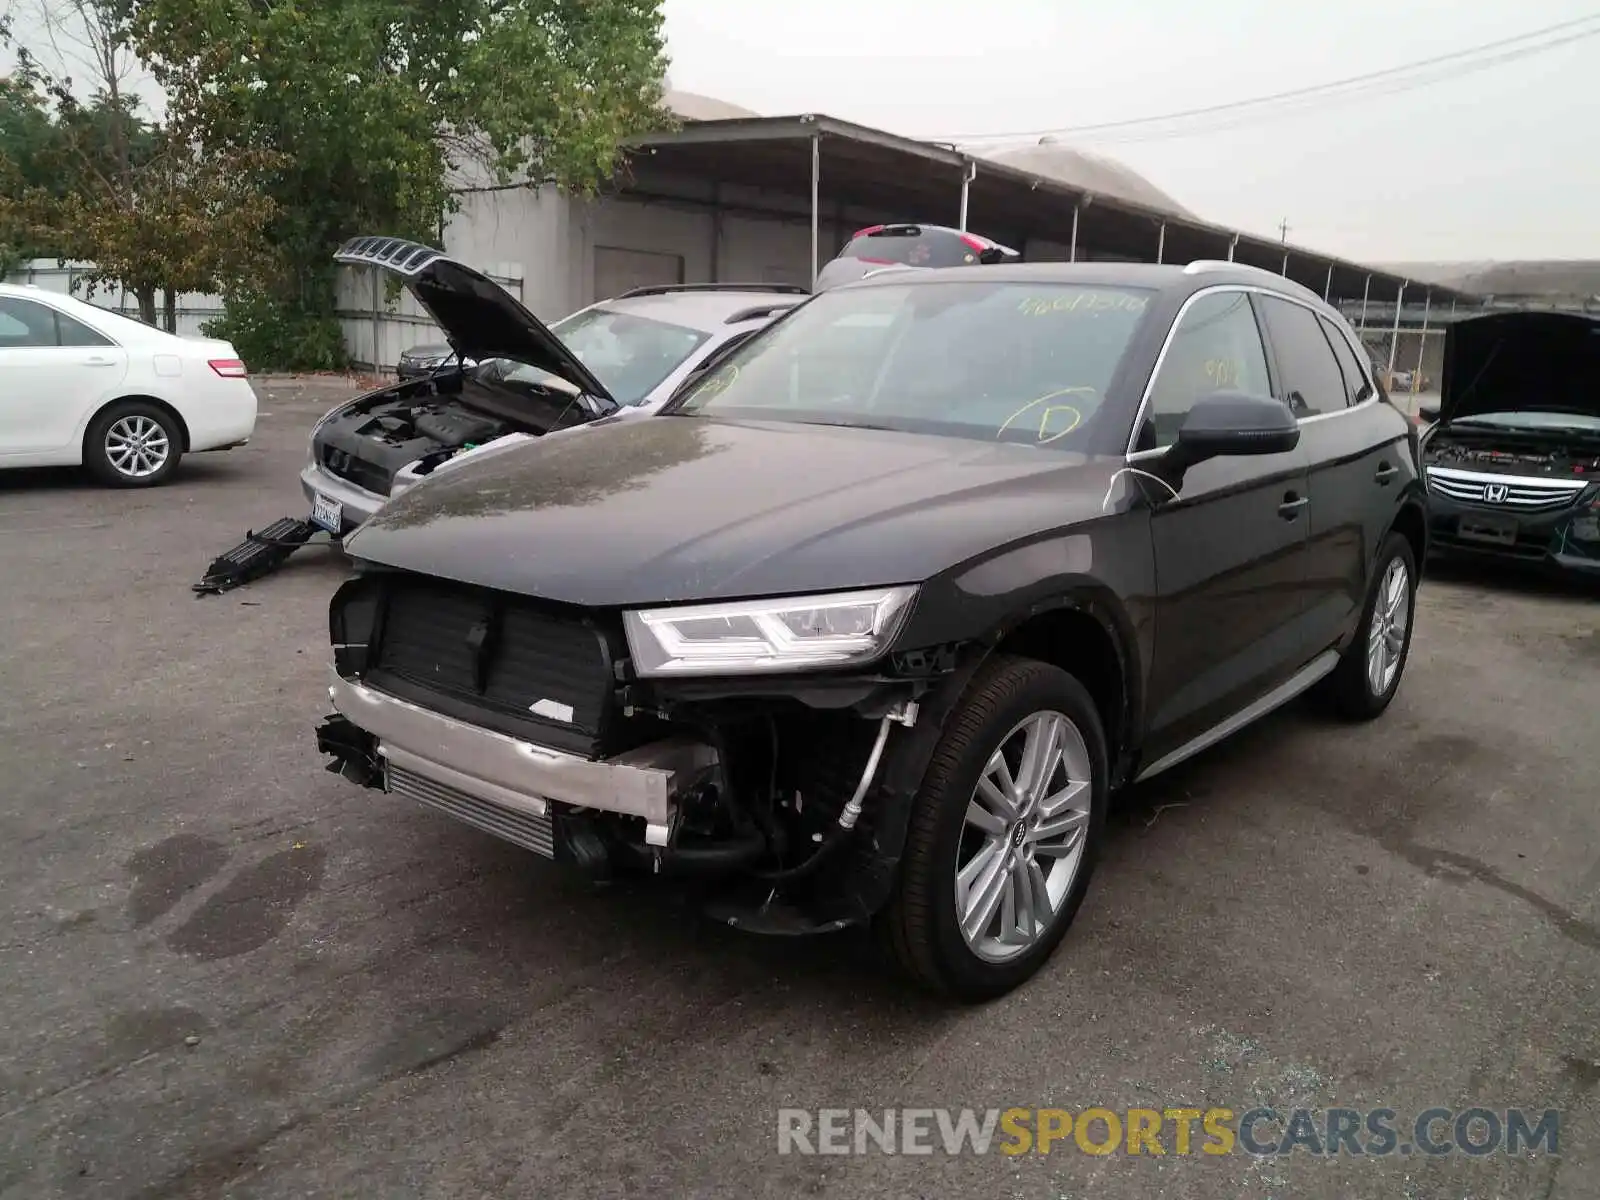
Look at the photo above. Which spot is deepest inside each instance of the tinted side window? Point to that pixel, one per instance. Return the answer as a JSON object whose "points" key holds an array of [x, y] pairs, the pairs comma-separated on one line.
{"points": [[1215, 347], [1310, 381], [25, 324], [72, 332], [1356, 385]]}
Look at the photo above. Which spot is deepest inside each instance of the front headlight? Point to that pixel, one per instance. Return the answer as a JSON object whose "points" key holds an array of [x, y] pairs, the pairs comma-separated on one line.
{"points": [[791, 633]]}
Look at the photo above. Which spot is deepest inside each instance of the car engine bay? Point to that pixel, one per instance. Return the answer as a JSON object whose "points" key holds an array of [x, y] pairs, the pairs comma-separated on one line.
{"points": [[428, 421], [1515, 452]]}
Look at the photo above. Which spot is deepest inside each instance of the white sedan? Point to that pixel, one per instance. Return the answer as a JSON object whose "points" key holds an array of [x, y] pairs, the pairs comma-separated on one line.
{"points": [[80, 385]]}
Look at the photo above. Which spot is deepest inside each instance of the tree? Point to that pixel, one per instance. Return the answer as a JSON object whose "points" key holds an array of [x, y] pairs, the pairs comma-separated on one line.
{"points": [[181, 223], [96, 181], [27, 135], [376, 107]]}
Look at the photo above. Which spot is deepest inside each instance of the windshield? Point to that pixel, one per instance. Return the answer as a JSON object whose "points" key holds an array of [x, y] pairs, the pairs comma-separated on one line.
{"points": [[997, 361], [630, 355], [1585, 422]]}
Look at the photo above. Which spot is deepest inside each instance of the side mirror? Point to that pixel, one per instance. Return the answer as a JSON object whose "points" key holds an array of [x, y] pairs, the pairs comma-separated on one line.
{"points": [[1428, 413], [1225, 423]]}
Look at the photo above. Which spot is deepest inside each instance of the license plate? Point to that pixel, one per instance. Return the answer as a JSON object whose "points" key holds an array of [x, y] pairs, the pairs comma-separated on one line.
{"points": [[1496, 531], [327, 513]]}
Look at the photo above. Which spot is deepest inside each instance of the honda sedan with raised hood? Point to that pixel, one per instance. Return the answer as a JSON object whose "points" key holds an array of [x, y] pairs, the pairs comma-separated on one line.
{"points": [[1512, 454], [505, 377], [871, 622]]}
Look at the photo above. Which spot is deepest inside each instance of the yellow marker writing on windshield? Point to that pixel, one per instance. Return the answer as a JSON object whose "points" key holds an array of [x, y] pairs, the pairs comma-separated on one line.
{"points": [[1075, 417], [719, 381]]}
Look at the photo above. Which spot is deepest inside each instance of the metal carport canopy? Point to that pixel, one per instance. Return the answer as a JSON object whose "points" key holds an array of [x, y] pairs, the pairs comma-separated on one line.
{"points": [[913, 180]]}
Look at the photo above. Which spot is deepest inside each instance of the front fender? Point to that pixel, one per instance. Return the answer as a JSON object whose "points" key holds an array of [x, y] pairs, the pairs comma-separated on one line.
{"points": [[864, 879]]}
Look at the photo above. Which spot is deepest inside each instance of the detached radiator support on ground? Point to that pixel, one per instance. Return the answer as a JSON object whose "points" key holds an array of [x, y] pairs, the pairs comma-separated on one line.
{"points": [[259, 554]]}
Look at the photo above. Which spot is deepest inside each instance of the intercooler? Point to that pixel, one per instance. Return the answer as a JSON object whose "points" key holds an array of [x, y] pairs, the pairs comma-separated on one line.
{"points": [[528, 830]]}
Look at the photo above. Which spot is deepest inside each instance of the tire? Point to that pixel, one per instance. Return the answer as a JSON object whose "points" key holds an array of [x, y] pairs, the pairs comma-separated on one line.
{"points": [[1356, 689], [920, 924], [133, 443]]}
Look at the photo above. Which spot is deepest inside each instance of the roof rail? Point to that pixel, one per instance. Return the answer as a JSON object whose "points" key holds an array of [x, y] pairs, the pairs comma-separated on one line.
{"points": [[1219, 264], [761, 310], [665, 289]]}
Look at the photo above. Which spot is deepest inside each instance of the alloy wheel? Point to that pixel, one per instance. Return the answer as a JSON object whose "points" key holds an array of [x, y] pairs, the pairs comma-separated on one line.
{"points": [[1023, 837], [1391, 621], [137, 447]]}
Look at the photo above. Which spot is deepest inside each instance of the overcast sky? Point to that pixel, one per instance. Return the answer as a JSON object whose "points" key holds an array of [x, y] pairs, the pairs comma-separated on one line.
{"points": [[1499, 163]]}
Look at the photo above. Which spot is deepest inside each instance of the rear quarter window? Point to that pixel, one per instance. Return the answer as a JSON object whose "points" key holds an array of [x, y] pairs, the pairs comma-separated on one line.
{"points": [[1309, 381], [1357, 387]]}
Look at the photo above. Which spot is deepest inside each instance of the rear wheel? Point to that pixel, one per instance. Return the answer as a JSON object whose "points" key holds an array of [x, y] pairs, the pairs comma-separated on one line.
{"points": [[1368, 674], [1004, 832], [133, 443]]}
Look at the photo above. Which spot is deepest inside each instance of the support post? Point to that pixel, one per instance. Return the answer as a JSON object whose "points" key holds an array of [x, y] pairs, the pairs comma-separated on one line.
{"points": [[967, 177], [1327, 284], [1422, 342], [377, 317], [1232, 243], [1161, 244], [1394, 338], [1284, 270], [816, 184], [1072, 251], [716, 232], [1366, 290]]}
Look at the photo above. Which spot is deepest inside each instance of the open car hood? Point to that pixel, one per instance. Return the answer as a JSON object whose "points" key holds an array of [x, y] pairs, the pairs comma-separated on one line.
{"points": [[480, 319], [1521, 362]]}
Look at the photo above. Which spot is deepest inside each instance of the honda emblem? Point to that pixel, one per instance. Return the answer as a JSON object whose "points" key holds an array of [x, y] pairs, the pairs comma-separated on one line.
{"points": [[1495, 493]]}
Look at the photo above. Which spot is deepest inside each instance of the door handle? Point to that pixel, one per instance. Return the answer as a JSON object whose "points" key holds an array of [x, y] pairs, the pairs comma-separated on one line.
{"points": [[97, 362], [1291, 506], [1386, 473]]}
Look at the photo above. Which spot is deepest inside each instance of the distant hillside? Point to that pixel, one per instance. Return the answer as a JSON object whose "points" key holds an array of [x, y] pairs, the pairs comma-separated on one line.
{"points": [[1573, 278]]}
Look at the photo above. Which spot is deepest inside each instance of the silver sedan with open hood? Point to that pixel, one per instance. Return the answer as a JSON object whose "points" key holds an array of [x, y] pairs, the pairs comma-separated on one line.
{"points": [[528, 381], [620, 357]]}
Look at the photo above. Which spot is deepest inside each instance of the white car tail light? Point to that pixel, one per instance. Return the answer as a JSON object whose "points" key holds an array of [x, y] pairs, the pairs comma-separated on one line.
{"points": [[228, 368]]}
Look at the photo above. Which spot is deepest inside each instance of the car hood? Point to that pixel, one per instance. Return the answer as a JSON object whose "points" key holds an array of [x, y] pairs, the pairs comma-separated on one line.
{"points": [[1521, 362], [680, 508], [479, 317]]}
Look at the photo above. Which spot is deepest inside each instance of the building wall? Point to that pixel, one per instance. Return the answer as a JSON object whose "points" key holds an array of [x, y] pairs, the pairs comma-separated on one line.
{"points": [[557, 254], [555, 238]]}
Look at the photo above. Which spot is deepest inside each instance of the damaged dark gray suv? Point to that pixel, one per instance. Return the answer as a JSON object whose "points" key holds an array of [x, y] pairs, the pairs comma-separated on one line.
{"points": [[872, 621]]}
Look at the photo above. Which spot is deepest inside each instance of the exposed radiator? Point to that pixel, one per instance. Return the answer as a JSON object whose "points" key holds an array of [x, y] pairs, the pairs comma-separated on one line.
{"points": [[512, 825]]}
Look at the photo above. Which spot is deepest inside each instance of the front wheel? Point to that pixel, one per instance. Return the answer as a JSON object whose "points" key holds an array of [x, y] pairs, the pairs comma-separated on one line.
{"points": [[1368, 674], [1004, 832]]}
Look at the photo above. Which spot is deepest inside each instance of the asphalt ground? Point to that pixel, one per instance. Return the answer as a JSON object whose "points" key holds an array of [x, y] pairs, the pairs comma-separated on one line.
{"points": [[228, 973]]}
